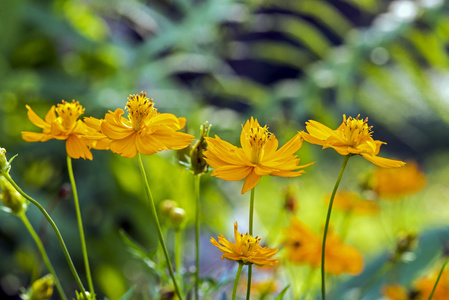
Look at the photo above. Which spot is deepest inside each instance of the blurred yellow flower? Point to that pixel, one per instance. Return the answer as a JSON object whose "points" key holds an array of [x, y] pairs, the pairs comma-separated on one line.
{"points": [[352, 137], [246, 249], [304, 247], [395, 292], [397, 183], [426, 284], [79, 137], [352, 202], [145, 130], [258, 156]]}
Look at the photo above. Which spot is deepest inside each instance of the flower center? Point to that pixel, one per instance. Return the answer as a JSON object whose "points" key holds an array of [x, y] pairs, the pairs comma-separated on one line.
{"points": [[248, 243], [140, 109], [69, 113], [356, 129], [257, 137]]}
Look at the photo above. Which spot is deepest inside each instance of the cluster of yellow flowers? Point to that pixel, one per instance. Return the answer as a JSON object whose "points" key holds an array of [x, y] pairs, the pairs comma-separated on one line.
{"points": [[144, 130]]}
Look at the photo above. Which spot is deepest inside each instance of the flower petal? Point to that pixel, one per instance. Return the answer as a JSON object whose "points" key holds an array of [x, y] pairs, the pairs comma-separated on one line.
{"points": [[250, 182], [383, 162]]}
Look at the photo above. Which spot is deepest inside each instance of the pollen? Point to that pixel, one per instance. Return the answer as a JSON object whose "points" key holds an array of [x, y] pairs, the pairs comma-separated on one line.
{"points": [[356, 129], [257, 138], [69, 112], [140, 109]]}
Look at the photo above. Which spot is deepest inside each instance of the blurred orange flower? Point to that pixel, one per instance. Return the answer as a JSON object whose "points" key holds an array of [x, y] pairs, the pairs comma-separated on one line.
{"points": [[352, 137], [395, 292], [304, 247], [426, 284], [145, 130], [397, 183], [246, 249], [258, 156], [79, 137], [352, 202]]}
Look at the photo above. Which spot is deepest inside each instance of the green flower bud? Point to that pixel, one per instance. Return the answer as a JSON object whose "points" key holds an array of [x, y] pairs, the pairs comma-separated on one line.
{"points": [[177, 217], [4, 165], [197, 162], [42, 288], [166, 206], [80, 296], [11, 197]]}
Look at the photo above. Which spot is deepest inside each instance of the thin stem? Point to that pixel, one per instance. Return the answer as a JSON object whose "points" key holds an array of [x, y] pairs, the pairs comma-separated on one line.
{"points": [[237, 277], [251, 219], [56, 230], [41, 248], [178, 261], [326, 227], [197, 235], [80, 227], [438, 279], [158, 226]]}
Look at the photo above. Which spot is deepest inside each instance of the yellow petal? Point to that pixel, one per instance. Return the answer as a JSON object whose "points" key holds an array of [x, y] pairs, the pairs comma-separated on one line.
{"points": [[76, 148], [232, 172], [35, 119], [250, 182], [383, 162], [125, 147], [35, 137]]}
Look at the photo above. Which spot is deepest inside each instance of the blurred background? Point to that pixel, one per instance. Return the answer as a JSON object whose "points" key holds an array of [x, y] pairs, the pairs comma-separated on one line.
{"points": [[283, 62]]}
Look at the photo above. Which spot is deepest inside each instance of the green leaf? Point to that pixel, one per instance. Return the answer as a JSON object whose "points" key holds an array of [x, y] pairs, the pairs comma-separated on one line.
{"points": [[282, 293], [128, 294]]}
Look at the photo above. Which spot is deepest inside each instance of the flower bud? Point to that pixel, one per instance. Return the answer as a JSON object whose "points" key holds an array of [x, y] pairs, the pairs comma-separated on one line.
{"points": [[166, 206], [11, 197], [4, 165], [177, 217], [80, 296], [42, 288], [197, 162]]}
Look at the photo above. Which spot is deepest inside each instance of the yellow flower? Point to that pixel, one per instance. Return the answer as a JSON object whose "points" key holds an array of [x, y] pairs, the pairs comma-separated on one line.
{"points": [[246, 249], [397, 183], [352, 202], [395, 292], [79, 137], [426, 284], [352, 137], [304, 247], [258, 156], [145, 130]]}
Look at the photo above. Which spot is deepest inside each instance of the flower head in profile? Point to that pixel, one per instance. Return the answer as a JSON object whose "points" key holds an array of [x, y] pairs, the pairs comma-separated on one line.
{"points": [[145, 130], [352, 137], [394, 184], [62, 123], [246, 249], [347, 201], [258, 156], [304, 247]]}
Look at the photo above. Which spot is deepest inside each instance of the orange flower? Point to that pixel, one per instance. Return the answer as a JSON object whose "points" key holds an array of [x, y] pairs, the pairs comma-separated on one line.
{"points": [[79, 137], [351, 138], [426, 284], [304, 247], [395, 292], [246, 249], [397, 183], [352, 202], [258, 156], [145, 130]]}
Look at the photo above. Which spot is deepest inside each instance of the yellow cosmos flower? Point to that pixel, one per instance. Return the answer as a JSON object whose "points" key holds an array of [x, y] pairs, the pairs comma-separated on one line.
{"points": [[144, 131], [352, 137], [304, 247], [352, 202], [426, 284], [258, 156], [246, 249], [62, 123], [395, 292], [397, 183]]}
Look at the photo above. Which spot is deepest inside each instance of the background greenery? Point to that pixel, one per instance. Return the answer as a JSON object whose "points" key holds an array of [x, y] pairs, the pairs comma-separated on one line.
{"points": [[283, 62]]}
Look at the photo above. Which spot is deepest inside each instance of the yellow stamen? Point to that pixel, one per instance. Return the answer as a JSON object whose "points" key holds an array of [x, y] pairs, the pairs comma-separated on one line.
{"points": [[257, 137], [140, 108], [69, 112], [356, 129]]}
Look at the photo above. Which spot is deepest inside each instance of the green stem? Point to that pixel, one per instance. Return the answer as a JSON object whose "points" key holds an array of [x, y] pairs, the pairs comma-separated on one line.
{"points": [[438, 279], [178, 256], [326, 227], [80, 227], [41, 248], [158, 226], [251, 218], [56, 230], [237, 277], [197, 235]]}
